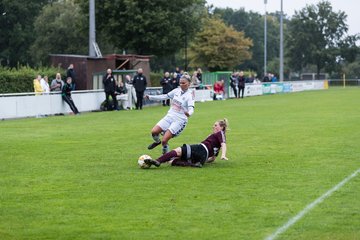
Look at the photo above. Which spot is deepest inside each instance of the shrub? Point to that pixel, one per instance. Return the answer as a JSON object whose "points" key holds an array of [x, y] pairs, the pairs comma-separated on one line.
{"points": [[17, 80]]}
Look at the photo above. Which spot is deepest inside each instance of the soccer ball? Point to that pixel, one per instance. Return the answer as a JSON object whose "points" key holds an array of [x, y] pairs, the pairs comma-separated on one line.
{"points": [[141, 162]]}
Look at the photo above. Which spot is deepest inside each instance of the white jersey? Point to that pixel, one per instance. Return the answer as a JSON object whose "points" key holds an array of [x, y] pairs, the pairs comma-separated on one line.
{"points": [[181, 102]]}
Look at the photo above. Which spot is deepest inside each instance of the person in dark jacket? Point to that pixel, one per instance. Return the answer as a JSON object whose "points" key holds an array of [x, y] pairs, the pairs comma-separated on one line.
{"points": [[110, 88], [140, 84], [71, 73], [66, 95], [241, 81], [166, 86]]}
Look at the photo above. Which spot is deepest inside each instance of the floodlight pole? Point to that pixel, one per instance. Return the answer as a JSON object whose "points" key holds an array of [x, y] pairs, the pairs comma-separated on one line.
{"points": [[92, 35], [281, 73], [265, 40]]}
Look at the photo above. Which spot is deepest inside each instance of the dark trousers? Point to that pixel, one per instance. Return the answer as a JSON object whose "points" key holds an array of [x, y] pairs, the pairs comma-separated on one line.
{"points": [[235, 90], [71, 104], [139, 97], [241, 89], [115, 102]]}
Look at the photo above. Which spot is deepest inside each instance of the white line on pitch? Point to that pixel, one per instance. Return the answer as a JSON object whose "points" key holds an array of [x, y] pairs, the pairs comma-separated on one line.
{"points": [[310, 206]]}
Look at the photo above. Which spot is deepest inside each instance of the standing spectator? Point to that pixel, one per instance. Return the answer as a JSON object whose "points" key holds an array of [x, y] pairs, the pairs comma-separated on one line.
{"points": [[176, 119], [219, 90], [234, 83], [57, 83], [131, 91], [177, 70], [194, 80], [71, 73], [175, 81], [199, 75], [109, 88], [266, 78], [273, 78], [66, 95], [241, 80], [140, 84], [166, 87], [37, 85], [44, 82]]}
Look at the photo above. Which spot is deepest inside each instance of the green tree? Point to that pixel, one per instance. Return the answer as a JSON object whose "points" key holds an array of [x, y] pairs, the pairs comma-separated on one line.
{"points": [[16, 28], [252, 24], [154, 27], [317, 35], [219, 47], [59, 29]]}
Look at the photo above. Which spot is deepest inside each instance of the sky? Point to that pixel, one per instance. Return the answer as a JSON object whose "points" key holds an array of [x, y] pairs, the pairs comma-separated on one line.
{"points": [[350, 7]]}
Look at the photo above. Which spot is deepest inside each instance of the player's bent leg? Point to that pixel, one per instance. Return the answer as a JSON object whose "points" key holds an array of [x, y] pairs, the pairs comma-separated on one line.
{"points": [[155, 133]]}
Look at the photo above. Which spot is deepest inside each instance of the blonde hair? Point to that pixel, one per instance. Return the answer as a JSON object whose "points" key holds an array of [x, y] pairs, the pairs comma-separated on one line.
{"points": [[224, 123], [186, 76]]}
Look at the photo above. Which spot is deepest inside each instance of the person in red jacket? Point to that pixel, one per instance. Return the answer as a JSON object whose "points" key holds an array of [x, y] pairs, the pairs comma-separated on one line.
{"points": [[219, 90]]}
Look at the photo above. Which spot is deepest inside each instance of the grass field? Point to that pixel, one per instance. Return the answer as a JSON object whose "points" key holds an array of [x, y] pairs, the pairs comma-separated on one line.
{"points": [[76, 177]]}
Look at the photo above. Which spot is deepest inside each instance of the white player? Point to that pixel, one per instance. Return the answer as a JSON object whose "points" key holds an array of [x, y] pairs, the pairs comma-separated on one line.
{"points": [[181, 108]]}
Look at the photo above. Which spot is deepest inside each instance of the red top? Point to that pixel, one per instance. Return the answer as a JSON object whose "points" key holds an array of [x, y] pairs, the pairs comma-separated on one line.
{"points": [[218, 88]]}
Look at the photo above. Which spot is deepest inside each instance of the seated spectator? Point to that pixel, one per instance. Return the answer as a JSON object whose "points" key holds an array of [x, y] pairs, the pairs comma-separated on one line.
{"points": [[57, 83], [219, 90], [120, 88]]}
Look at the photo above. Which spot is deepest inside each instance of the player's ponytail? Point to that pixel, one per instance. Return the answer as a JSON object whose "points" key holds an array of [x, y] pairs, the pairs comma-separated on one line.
{"points": [[224, 123]]}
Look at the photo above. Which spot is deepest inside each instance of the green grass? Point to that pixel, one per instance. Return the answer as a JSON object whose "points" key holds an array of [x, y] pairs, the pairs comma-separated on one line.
{"points": [[76, 177]]}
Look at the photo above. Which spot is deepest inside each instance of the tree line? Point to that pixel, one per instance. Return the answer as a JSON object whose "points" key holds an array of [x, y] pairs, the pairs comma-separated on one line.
{"points": [[187, 33]]}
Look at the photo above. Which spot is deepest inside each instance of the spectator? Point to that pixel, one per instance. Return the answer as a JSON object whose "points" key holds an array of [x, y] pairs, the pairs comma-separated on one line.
{"points": [[66, 95], [120, 90], [219, 90], [241, 81], [199, 75], [37, 85], [175, 121], [273, 78], [71, 73], [196, 155], [57, 83], [256, 81], [266, 78], [130, 90], [175, 81], [195, 82], [44, 82], [234, 83], [109, 88], [140, 84], [166, 87]]}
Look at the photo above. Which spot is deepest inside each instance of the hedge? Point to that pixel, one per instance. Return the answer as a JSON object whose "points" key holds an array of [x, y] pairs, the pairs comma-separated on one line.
{"points": [[18, 80]]}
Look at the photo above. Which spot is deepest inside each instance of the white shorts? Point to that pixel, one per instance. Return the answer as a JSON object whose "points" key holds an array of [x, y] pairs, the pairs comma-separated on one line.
{"points": [[173, 124]]}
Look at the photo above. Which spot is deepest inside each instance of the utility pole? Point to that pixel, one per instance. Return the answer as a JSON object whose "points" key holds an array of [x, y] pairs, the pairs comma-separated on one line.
{"points": [[265, 41], [92, 31], [281, 73]]}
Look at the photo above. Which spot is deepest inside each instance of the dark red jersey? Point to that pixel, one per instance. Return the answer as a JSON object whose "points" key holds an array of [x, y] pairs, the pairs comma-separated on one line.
{"points": [[213, 142]]}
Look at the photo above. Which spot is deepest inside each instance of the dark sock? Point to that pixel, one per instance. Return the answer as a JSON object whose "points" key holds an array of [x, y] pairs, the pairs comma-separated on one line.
{"points": [[167, 156]]}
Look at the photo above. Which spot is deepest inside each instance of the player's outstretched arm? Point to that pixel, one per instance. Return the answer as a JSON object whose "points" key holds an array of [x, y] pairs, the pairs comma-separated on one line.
{"points": [[223, 152]]}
